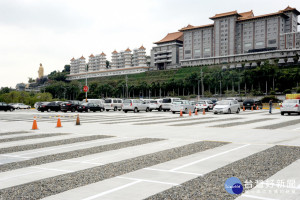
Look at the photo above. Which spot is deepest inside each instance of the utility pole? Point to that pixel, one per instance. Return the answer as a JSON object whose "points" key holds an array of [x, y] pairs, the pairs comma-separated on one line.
{"points": [[126, 79], [202, 85], [198, 89]]}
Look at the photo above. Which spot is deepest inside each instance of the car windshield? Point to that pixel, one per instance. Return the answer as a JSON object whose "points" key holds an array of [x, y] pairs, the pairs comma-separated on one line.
{"points": [[290, 101], [223, 102], [107, 101], [153, 101], [249, 101], [127, 101], [201, 102], [167, 101]]}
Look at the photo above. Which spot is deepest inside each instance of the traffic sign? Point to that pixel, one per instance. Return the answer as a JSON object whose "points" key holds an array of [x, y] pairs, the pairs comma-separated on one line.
{"points": [[85, 88]]}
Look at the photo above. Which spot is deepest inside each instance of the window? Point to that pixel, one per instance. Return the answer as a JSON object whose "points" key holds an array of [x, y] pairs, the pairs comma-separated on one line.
{"points": [[272, 41], [247, 45], [259, 43], [206, 49], [187, 51]]}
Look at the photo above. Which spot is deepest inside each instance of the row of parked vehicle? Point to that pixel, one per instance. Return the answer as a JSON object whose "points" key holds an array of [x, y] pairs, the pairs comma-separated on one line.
{"points": [[13, 106]]}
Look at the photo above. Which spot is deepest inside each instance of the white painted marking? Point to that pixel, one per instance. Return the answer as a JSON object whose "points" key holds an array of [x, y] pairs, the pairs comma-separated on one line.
{"points": [[257, 197], [112, 190], [178, 172], [14, 156], [70, 146], [209, 157], [74, 161], [21, 175], [51, 169], [146, 180]]}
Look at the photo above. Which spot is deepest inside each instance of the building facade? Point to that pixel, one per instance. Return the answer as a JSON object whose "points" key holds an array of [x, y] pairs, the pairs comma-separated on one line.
{"points": [[166, 54], [235, 37], [123, 62]]}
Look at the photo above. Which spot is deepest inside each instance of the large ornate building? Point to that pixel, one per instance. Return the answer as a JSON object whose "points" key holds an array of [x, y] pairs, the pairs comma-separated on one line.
{"points": [[235, 37], [124, 62]]}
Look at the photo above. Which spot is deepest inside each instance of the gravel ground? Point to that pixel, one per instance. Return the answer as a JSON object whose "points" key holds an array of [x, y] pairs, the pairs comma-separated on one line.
{"points": [[74, 154], [205, 122], [54, 185], [14, 133], [31, 137], [242, 123], [52, 143], [259, 166], [176, 120], [280, 125]]}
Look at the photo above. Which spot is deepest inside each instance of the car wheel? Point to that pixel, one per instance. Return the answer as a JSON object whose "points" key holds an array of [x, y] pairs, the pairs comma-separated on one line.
{"points": [[64, 111], [42, 111], [101, 110], [159, 109], [185, 111], [289, 113], [107, 110], [147, 109], [151, 110], [135, 110], [49, 110], [173, 112], [11, 109], [73, 110], [165, 110], [215, 113], [282, 113], [88, 110], [238, 111], [125, 111], [229, 111], [5, 110], [18, 108], [115, 108], [206, 109]]}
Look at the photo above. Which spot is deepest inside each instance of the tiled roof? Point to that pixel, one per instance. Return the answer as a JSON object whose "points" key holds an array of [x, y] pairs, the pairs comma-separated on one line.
{"points": [[171, 37], [261, 16], [91, 55], [190, 27], [127, 50], [142, 47], [225, 14], [82, 57], [114, 52], [290, 9], [102, 54], [245, 15], [72, 59]]}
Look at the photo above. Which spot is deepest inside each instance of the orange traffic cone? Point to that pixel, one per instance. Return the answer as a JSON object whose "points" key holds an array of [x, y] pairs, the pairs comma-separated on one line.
{"points": [[196, 112], [34, 125], [203, 111], [252, 108], [78, 120], [58, 122], [190, 113], [181, 113], [257, 108], [244, 108]]}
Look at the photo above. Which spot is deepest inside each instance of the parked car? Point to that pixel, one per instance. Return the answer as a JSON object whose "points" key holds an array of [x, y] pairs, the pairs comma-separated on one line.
{"points": [[239, 99], [113, 104], [167, 103], [227, 106], [157, 103], [88, 107], [50, 106], [153, 104], [182, 105], [204, 104], [214, 100], [38, 104], [290, 106], [135, 105], [69, 105], [248, 103], [21, 106], [6, 107]]}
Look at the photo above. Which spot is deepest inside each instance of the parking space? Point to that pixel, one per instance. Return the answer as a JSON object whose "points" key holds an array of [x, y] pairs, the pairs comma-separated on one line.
{"points": [[147, 155]]}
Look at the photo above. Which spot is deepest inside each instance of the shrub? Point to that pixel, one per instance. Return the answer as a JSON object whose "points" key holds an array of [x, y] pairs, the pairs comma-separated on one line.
{"points": [[266, 99]]}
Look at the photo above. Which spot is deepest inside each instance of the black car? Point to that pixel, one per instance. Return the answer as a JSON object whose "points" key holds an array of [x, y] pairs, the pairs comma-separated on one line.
{"points": [[52, 106], [6, 107], [87, 107], [69, 106], [248, 103]]}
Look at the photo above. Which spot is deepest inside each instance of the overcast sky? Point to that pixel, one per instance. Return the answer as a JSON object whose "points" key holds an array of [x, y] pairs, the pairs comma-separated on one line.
{"points": [[51, 32]]}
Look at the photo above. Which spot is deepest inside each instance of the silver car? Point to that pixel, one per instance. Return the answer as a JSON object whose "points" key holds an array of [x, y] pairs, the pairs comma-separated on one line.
{"points": [[135, 105], [183, 105], [113, 104], [227, 106], [290, 106], [167, 103]]}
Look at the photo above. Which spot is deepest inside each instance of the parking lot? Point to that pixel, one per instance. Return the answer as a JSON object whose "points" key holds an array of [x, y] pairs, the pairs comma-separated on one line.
{"points": [[153, 155]]}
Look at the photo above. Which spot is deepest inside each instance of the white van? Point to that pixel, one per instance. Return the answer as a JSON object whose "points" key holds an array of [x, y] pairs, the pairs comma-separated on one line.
{"points": [[113, 104], [167, 103]]}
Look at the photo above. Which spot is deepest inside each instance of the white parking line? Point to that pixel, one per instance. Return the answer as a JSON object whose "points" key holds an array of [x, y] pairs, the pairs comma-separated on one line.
{"points": [[112, 190], [51, 169], [146, 180], [209, 157], [107, 140], [257, 197], [84, 162], [6, 178], [14, 156], [178, 172]]}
